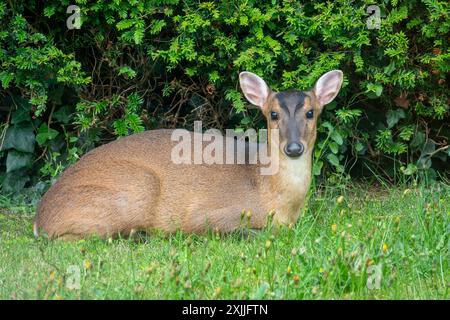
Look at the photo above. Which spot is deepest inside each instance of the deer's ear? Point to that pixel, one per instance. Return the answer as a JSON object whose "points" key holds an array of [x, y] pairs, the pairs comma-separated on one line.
{"points": [[328, 86], [254, 88]]}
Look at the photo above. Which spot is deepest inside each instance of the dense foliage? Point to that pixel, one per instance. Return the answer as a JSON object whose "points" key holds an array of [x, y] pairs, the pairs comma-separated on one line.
{"points": [[135, 65]]}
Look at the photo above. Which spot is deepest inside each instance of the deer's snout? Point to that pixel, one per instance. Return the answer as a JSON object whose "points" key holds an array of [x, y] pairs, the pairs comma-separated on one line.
{"points": [[294, 149]]}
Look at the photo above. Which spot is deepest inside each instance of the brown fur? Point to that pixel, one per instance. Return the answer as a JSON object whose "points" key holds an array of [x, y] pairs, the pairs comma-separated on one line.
{"points": [[132, 184]]}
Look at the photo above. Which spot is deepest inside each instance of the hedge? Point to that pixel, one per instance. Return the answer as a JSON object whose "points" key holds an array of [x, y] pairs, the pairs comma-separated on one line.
{"points": [[136, 65]]}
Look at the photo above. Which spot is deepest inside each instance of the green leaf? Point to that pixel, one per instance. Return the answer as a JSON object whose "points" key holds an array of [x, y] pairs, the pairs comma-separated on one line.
{"points": [[336, 136], [45, 133], [49, 11], [138, 35], [390, 68], [424, 163], [63, 114], [19, 137], [246, 120], [317, 168], [374, 88], [6, 78], [127, 71], [120, 127], [22, 114], [418, 140], [429, 147], [334, 147], [410, 169], [157, 26], [14, 181], [359, 147], [394, 116], [18, 160], [333, 159], [125, 24]]}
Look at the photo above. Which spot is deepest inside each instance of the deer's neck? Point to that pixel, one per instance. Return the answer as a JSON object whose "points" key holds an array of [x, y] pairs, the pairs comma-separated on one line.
{"points": [[286, 190]]}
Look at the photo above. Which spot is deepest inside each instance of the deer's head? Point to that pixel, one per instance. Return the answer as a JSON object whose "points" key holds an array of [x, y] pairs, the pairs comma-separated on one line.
{"points": [[294, 113]]}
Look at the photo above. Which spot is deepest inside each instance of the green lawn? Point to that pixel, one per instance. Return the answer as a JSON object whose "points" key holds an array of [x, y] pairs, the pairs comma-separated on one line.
{"points": [[368, 244]]}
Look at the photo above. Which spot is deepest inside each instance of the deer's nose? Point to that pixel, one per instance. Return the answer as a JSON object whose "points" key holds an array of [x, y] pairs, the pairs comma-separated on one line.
{"points": [[294, 149]]}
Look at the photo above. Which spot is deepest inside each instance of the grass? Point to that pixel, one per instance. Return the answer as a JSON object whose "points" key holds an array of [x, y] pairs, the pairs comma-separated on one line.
{"points": [[367, 244]]}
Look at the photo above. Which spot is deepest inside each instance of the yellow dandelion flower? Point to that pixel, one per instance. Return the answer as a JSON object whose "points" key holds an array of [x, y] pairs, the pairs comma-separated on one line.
{"points": [[385, 247], [87, 264], [334, 227]]}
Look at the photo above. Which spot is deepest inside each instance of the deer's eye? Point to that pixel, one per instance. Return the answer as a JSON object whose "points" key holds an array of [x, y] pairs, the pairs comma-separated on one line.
{"points": [[310, 114], [274, 115]]}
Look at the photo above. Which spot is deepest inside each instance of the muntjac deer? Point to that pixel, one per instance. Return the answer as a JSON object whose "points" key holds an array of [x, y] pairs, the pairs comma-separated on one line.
{"points": [[131, 184]]}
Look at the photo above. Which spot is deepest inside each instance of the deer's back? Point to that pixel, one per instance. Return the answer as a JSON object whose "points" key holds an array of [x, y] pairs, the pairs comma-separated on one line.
{"points": [[132, 183]]}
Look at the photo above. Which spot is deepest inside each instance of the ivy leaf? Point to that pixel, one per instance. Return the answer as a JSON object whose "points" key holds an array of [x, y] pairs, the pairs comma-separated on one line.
{"points": [[336, 136], [63, 114], [22, 114], [359, 147], [317, 168], [410, 169], [18, 160], [45, 133], [333, 159], [394, 116], [424, 163], [374, 89], [418, 140], [246, 120], [334, 147], [19, 137], [429, 147], [14, 181]]}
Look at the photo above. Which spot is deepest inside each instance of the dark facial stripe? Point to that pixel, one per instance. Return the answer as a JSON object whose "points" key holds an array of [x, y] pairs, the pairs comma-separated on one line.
{"points": [[291, 100]]}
